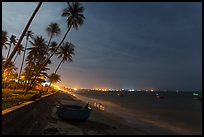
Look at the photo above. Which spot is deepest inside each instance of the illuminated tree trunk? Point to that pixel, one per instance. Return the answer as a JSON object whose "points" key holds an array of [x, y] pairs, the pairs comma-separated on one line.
{"points": [[22, 61]]}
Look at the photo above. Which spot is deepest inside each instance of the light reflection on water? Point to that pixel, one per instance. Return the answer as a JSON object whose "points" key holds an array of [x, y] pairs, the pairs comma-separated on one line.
{"points": [[174, 113], [99, 106]]}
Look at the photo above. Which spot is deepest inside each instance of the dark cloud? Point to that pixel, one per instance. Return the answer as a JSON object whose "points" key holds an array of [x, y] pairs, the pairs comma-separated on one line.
{"points": [[127, 45]]}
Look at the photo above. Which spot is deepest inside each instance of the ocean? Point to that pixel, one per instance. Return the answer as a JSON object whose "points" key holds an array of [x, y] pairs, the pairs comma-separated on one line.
{"points": [[178, 113]]}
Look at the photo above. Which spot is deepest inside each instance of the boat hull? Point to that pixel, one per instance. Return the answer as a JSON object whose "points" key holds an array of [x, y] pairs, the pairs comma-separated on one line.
{"points": [[73, 112]]}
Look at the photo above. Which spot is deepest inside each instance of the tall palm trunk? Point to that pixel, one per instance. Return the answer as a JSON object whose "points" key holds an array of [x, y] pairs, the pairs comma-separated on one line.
{"points": [[31, 84], [22, 61], [54, 73], [22, 35]]}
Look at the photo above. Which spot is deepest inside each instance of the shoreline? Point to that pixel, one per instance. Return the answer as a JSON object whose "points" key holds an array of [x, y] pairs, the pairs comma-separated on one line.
{"points": [[99, 122]]}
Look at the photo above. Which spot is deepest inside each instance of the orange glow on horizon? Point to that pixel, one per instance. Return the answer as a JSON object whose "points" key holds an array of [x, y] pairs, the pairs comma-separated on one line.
{"points": [[101, 89]]}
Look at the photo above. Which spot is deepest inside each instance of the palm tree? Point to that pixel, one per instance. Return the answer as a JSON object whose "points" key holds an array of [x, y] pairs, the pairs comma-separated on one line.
{"points": [[36, 56], [37, 51], [28, 35], [22, 35], [65, 53], [12, 41], [74, 15], [20, 49], [75, 18], [4, 39], [8, 71], [52, 30], [53, 78], [30, 72], [38, 48]]}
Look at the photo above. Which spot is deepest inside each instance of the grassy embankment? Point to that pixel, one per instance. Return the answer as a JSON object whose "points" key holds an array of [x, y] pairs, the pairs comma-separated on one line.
{"points": [[13, 97]]}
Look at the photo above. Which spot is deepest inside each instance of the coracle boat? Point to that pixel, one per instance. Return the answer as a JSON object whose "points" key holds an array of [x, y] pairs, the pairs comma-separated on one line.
{"points": [[73, 112]]}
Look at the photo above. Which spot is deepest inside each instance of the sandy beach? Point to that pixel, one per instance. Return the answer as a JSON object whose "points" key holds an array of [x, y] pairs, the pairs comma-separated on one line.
{"points": [[99, 122]]}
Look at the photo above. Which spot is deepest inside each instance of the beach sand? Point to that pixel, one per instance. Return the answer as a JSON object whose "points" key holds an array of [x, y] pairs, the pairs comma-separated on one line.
{"points": [[99, 122]]}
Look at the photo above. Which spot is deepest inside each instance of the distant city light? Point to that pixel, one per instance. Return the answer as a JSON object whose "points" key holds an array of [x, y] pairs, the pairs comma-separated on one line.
{"points": [[131, 90]]}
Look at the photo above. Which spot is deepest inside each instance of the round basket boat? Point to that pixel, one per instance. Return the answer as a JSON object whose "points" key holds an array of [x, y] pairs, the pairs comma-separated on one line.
{"points": [[73, 112]]}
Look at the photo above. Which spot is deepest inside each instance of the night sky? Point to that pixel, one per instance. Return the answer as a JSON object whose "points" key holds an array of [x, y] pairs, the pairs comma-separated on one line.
{"points": [[122, 45]]}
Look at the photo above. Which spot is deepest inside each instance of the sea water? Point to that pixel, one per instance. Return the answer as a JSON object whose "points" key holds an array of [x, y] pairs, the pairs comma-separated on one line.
{"points": [[177, 113]]}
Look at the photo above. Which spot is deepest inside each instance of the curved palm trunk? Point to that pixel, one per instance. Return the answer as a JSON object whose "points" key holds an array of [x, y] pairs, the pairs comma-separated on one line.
{"points": [[54, 73], [31, 84], [22, 61], [22, 35]]}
